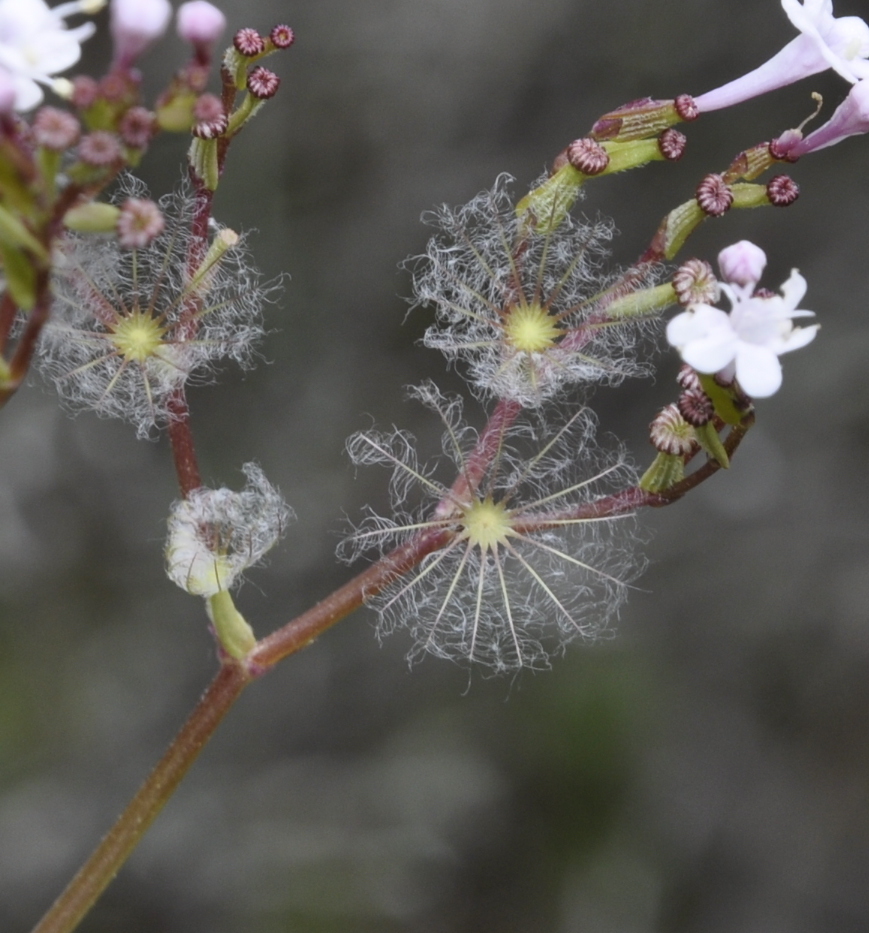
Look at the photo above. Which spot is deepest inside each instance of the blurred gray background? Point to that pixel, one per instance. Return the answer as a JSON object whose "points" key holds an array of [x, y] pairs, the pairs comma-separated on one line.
{"points": [[705, 770]]}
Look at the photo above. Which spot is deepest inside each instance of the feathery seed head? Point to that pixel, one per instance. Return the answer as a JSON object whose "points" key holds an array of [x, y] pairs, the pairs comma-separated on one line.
{"points": [[529, 558], [130, 325], [523, 309]]}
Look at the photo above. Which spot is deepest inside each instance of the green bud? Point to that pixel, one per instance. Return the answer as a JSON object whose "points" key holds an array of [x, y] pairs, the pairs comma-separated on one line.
{"points": [[176, 114], [14, 233], [641, 303], [545, 207], [93, 217], [708, 439], [722, 400], [202, 156], [666, 470], [233, 632], [20, 276]]}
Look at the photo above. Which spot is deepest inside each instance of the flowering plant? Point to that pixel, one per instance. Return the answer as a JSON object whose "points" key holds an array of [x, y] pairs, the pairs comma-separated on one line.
{"points": [[521, 537]]}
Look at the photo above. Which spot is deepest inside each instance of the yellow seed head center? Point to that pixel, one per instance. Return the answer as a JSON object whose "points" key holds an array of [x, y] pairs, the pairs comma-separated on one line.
{"points": [[487, 524], [137, 336], [530, 328]]}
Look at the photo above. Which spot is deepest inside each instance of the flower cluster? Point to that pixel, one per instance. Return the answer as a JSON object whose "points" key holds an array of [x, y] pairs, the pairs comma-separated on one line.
{"points": [[131, 325], [216, 534], [746, 343], [529, 560], [525, 310]]}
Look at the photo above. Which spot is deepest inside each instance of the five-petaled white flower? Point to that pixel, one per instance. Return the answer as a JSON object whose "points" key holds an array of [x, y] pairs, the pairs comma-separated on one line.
{"points": [[747, 342], [35, 43], [825, 41]]}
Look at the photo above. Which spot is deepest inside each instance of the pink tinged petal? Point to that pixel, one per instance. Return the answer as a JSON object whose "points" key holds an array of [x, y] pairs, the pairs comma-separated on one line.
{"points": [[742, 263], [851, 118], [135, 24], [758, 370], [842, 42], [200, 22], [799, 59]]}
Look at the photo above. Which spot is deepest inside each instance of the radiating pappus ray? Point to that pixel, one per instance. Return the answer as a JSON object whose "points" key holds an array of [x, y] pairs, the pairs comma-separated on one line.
{"points": [[135, 316], [535, 550], [526, 311]]}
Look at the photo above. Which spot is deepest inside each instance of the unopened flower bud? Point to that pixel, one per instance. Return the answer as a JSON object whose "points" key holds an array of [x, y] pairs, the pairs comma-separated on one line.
{"points": [[135, 24], [671, 434], [282, 37], [209, 116], [782, 191], [696, 407], [671, 144], [140, 222], [137, 127], [200, 22], [588, 156], [263, 83], [742, 264], [55, 129], [688, 379], [686, 107], [694, 283], [248, 42], [99, 148], [714, 195], [84, 92]]}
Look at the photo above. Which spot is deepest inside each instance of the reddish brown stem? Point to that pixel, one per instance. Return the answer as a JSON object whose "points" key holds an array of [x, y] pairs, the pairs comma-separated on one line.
{"points": [[96, 873], [183, 449]]}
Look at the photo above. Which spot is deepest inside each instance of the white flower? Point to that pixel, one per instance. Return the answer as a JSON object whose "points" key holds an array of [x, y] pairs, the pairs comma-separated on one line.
{"points": [[216, 534], [824, 42], [747, 342], [35, 44], [528, 556]]}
